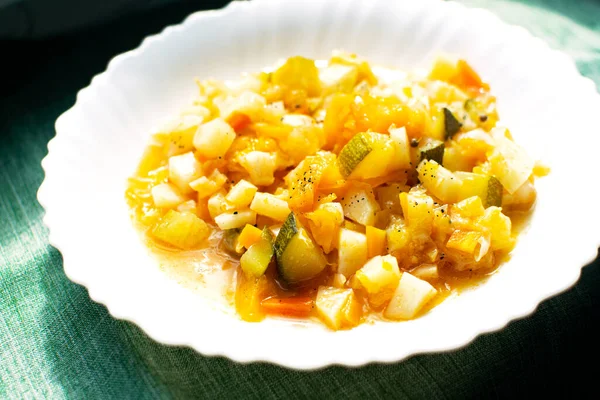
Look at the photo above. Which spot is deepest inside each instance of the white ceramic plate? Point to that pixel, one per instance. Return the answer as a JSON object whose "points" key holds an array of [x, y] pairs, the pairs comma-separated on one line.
{"points": [[549, 107]]}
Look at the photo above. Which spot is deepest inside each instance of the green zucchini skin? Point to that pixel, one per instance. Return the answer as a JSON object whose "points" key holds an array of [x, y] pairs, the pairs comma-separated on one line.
{"points": [[297, 256], [451, 124], [494, 193], [286, 233], [433, 150], [353, 153]]}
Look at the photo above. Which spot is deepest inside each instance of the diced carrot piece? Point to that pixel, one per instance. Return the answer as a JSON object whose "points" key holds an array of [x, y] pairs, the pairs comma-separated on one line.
{"points": [[375, 241], [288, 307], [249, 235], [468, 77], [238, 121]]}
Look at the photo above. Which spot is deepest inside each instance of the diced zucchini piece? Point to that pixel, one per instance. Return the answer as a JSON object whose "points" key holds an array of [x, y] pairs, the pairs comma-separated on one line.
{"points": [[433, 150], [451, 187], [352, 251], [298, 257], [214, 138], [260, 166], [411, 295], [235, 219], [510, 163], [338, 308], [183, 230], [230, 240], [451, 124], [207, 186], [359, 205], [183, 169], [241, 194], [298, 73], [166, 195], [367, 155], [270, 206], [256, 259], [379, 277], [487, 187]]}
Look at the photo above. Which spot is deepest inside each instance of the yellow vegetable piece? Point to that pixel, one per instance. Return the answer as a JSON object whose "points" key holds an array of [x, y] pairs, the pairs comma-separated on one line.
{"points": [[338, 308], [249, 235], [183, 230], [375, 241]]}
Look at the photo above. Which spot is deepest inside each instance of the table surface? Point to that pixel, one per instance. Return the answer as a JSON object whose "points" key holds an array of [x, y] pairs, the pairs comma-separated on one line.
{"points": [[56, 343]]}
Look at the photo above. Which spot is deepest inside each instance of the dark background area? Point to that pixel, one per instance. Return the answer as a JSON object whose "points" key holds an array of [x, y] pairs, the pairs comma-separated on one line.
{"points": [[554, 351]]}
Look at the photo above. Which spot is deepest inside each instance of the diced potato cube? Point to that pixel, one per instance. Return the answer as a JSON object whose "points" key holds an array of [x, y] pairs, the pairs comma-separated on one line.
{"points": [[510, 163], [188, 206], [409, 297], [426, 272], [183, 169], [338, 308], [360, 205], [235, 219], [297, 120], [181, 133], [471, 207], [207, 186], [218, 205], [338, 77], [247, 103], [402, 146], [379, 277], [397, 236], [241, 194], [260, 166], [213, 139], [182, 230], [270, 206], [352, 251], [378, 273], [167, 195]]}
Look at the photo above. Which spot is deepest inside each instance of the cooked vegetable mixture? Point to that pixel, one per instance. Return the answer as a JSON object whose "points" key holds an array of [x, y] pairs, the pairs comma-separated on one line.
{"points": [[340, 191]]}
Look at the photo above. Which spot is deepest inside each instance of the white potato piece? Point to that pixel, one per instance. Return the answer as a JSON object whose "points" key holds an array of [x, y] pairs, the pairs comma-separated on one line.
{"points": [[359, 205], [184, 169], [235, 219], [260, 166], [337, 307], [352, 251], [167, 195], [241, 194], [409, 297], [270, 206], [213, 139]]}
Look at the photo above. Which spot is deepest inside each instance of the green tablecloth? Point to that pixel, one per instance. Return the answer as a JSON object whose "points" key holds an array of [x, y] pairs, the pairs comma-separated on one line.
{"points": [[56, 343]]}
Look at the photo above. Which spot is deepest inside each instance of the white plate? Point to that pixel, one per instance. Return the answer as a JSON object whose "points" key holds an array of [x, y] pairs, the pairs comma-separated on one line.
{"points": [[549, 107]]}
